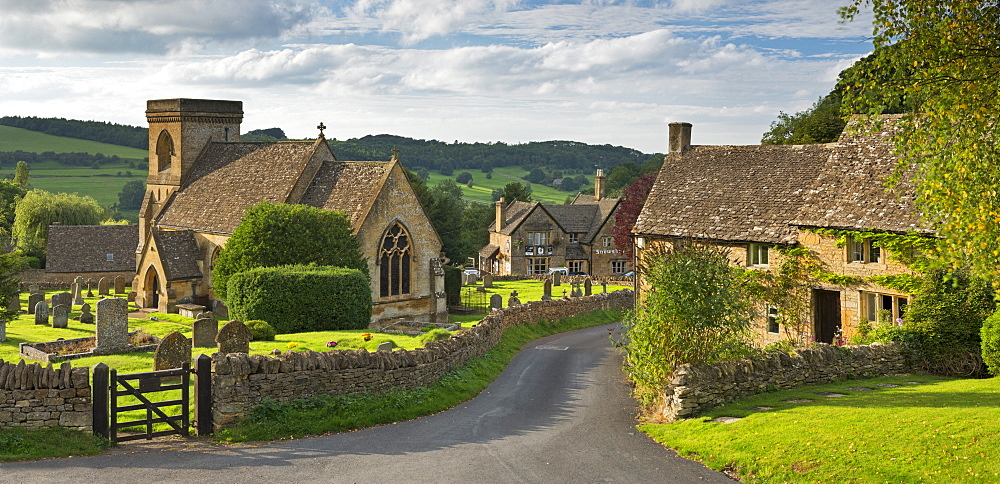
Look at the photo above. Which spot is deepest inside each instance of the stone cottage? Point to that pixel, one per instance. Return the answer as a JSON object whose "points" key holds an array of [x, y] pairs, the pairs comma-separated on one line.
{"points": [[202, 179], [530, 238], [89, 251], [754, 199]]}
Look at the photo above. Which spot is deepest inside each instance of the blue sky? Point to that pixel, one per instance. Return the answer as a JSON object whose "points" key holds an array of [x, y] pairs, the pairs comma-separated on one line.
{"points": [[599, 71]]}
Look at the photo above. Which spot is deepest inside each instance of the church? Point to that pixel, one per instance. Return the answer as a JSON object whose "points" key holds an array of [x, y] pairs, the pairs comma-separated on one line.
{"points": [[202, 179]]}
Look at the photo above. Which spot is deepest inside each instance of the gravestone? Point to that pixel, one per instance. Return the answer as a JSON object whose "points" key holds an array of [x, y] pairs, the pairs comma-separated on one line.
{"points": [[205, 315], [33, 299], [112, 323], [103, 287], [205, 331], [513, 300], [470, 279], [131, 296], [219, 308], [3, 331], [74, 289], [173, 351], [547, 289], [14, 304], [63, 298], [604, 287], [42, 313], [86, 316], [33, 289], [488, 280], [234, 337], [496, 301], [557, 279], [119, 284], [60, 316], [385, 346], [588, 287], [546, 297], [576, 292], [90, 285]]}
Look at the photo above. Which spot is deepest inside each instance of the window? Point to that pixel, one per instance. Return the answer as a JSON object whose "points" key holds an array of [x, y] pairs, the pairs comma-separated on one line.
{"points": [[111, 257], [887, 307], [772, 319], [538, 265], [394, 262], [861, 250], [574, 238], [757, 255], [577, 265], [164, 150], [538, 238], [618, 266], [607, 242]]}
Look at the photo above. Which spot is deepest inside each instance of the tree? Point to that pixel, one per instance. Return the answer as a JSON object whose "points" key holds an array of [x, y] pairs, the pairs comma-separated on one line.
{"points": [[39, 209], [622, 176], [272, 235], [130, 198], [445, 211], [10, 265], [22, 176], [10, 194], [446, 168], [516, 191], [945, 58], [821, 123], [632, 200], [535, 176], [463, 178]]}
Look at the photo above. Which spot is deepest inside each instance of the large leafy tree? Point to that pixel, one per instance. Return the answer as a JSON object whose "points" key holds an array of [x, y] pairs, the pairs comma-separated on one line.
{"points": [[946, 55], [516, 191], [39, 209], [272, 235], [130, 198], [10, 194]]}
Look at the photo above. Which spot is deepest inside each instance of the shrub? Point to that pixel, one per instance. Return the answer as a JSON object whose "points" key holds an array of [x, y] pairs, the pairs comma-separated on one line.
{"points": [[295, 299], [260, 330], [991, 343], [436, 334], [453, 285]]}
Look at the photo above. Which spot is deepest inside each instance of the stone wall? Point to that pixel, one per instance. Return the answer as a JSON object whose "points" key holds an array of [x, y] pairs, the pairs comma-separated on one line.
{"points": [[693, 389], [62, 280], [240, 382], [37, 396]]}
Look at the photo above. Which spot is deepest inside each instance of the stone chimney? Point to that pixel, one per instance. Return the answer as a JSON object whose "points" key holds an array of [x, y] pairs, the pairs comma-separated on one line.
{"points": [[599, 185], [501, 215], [680, 137]]}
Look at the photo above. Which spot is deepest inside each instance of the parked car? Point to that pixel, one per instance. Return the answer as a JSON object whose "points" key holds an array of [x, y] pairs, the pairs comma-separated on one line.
{"points": [[580, 274], [562, 270], [473, 271], [626, 274]]}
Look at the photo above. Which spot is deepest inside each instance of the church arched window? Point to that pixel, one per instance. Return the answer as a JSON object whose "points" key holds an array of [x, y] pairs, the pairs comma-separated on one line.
{"points": [[164, 150], [394, 262]]}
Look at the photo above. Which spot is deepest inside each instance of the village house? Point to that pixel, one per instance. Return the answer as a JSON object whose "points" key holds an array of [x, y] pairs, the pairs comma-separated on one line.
{"points": [[756, 199], [202, 179], [531, 238]]}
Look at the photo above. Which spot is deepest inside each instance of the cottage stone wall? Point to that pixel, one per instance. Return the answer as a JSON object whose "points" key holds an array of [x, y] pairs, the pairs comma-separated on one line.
{"points": [[242, 381], [37, 396], [693, 389]]}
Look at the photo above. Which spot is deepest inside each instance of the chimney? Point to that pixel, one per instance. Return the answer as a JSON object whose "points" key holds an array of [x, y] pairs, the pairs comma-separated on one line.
{"points": [[501, 215], [599, 185], [680, 137]]}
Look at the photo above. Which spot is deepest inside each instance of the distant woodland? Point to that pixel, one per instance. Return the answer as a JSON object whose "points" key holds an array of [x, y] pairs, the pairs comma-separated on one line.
{"points": [[116, 134]]}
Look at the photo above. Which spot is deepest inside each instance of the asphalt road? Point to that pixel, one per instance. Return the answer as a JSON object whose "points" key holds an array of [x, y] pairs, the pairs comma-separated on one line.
{"points": [[561, 412]]}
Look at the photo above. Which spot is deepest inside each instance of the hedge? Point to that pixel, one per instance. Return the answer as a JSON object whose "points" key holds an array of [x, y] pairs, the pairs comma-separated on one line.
{"points": [[296, 299], [453, 285]]}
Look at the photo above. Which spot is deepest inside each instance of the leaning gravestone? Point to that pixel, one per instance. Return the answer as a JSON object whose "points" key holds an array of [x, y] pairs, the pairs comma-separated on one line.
{"points": [[557, 279], [496, 301], [14, 304], [173, 351], [547, 289], [385, 346], [103, 287], [60, 316], [33, 300], [205, 331], [488, 280], [42, 313], [112, 323], [234, 337], [90, 290], [63, 298], [588, 287], [119, 284], [74, 289], [86, 316]]}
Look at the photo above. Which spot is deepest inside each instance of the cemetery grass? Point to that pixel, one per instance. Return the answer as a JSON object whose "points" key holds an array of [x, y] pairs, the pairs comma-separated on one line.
{"points": [[530, 289], [935, 430], [18, 443], [324, 414]]}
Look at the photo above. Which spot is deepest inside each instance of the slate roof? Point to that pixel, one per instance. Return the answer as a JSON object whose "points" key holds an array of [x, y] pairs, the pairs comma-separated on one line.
{"points": [[488, 251], [575, 252], [577, 219], [85, 248], [229, 178], [515, 213], [178, 252], [350, 186]]}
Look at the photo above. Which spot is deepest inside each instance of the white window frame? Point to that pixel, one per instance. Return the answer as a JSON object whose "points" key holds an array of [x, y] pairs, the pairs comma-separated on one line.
{"points": [[772, 320], [577, 265], [758, 255], [873, 302], [574, 238], [607, 242], [621, 263], [862, 251]]}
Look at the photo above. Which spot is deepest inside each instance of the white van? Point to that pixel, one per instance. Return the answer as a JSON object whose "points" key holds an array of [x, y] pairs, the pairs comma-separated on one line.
{"points": [[562, 270]]}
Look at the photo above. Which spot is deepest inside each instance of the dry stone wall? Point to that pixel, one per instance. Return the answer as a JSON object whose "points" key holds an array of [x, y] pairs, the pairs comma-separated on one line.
{"points": [[696, 388], [37, 396], [242, 381]]}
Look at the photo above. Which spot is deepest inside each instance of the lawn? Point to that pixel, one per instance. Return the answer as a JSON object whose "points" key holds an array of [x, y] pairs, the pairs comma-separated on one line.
{"points": [[529, 289], [482, 188], [926, 429]]}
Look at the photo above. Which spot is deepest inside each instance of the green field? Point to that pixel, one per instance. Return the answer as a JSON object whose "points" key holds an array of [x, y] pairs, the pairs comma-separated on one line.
{"points": [[17, 139], [482, 188]]}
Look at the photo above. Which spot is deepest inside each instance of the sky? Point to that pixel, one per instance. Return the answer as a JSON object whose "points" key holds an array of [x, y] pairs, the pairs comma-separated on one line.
{"points": [[595, 71]]}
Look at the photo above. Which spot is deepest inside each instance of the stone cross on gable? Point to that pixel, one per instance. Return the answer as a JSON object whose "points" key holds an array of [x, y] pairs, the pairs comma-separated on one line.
{"points": [[395, 153], [321, 127]]}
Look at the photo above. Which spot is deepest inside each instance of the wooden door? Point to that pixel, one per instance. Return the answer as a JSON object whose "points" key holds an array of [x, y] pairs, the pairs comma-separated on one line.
{"points": [[826, 307]]}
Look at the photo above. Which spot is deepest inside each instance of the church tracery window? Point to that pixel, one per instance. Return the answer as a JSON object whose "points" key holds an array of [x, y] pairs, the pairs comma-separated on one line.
{"points": [[394, 262]]}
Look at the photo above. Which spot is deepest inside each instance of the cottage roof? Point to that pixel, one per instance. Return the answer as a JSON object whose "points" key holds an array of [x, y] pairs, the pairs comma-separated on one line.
{"points": [[179, 253], [488, 251], [575, 252], [515, 213], [92, 248]]}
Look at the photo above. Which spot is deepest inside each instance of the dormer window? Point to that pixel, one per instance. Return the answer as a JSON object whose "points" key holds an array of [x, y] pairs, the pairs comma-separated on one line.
{"points": [[111, 257], [861, 250], [758, 255], [574, 238]]}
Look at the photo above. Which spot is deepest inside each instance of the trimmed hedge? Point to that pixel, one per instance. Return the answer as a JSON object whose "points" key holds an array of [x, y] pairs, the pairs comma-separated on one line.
{"points": [[296, 299], [453, 285]]}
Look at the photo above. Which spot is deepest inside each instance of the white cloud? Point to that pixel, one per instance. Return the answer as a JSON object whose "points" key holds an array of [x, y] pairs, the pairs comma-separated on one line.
{"points": [[421, 19]]}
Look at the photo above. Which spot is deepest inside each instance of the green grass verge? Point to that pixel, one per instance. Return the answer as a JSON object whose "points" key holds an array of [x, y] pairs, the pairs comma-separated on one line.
{"points": [[321, 414], [30, 444], [528, 290], [482, 188], [935, 430]]}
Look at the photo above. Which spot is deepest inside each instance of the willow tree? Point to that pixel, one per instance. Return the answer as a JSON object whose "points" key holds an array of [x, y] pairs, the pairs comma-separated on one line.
{"points": [[946, 56], [39, 209]]}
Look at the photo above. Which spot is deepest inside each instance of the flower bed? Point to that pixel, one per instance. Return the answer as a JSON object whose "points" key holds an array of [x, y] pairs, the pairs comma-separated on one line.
{"points": [[71, 349]]}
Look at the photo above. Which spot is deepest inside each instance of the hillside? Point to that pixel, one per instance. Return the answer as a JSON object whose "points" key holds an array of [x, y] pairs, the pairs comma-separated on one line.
{"points": [[19, 139]]}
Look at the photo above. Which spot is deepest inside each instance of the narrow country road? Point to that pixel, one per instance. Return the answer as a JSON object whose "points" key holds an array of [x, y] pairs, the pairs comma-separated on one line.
{"points": [[561, 412]]}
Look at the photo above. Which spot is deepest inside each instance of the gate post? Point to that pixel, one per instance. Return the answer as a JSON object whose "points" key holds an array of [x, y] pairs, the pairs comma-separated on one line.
{"points": [[99, 400], [203, 394]]}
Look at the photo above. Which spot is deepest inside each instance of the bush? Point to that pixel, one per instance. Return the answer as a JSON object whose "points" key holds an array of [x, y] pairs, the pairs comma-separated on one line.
{"points": [[436, 334], [453, 285], [260, 330], [991, 343], [295, 299]]}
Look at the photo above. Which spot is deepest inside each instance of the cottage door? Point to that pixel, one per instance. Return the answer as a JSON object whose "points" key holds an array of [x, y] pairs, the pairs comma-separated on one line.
{"points": [[826, 306]]}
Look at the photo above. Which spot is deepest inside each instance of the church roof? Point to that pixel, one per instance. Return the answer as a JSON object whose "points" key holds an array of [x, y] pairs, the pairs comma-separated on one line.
{"points": [[178, 252], [91, 248], [350, 186]]}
